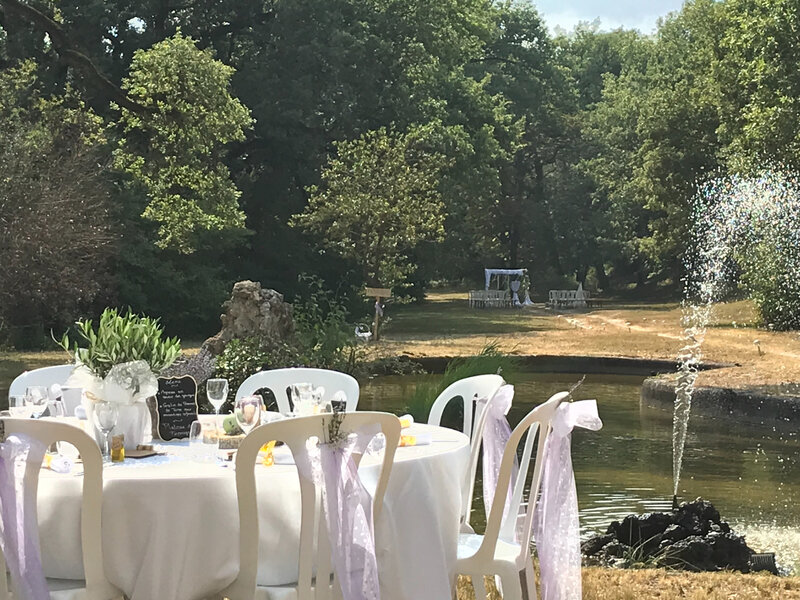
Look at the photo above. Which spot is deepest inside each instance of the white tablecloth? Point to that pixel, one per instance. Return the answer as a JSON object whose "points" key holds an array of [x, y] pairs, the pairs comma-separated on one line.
{"points": [[171, 526]]}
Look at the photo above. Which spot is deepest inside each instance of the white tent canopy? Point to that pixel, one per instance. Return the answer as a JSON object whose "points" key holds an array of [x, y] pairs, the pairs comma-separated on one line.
{"points": [[496, 272]]}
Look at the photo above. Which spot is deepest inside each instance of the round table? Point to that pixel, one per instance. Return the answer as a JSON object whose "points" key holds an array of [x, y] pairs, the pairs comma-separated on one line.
{"points": [[171, 525]]}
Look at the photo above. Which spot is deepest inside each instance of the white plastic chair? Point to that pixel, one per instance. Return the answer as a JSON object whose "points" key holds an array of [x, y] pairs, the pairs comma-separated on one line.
{"points": [[278, 381], [315, 552], [95, 586], [469, 390], [497, 552], [45, 376]]}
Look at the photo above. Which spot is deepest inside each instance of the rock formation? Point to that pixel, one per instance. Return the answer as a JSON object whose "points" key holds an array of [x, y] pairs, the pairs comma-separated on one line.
{"points": [[252, 311], [692, 538]]}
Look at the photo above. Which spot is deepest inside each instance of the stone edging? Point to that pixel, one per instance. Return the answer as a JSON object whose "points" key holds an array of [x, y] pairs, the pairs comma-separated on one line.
{"points": [[749, 405]]}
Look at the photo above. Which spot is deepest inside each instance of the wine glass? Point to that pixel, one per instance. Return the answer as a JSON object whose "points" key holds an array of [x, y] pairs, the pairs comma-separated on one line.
{"points": [[217, 393], [36, 398], [248, 412], [105, 418]]}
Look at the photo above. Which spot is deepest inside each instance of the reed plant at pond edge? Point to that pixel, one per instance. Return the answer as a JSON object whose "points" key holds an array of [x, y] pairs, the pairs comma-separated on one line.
{"points": [[490, 360]]}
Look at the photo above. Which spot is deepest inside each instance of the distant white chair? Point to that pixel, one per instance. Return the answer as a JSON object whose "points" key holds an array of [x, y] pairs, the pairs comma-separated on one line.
{"points": [[279, 381], [45, 376], [94, 586], [469, 390], [315, 573], [499, 551]]}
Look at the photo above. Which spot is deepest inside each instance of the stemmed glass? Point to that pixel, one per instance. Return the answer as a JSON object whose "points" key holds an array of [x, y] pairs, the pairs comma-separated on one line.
{"points": [[217, 393], [36, 398], [105, 418], [248, 412]]}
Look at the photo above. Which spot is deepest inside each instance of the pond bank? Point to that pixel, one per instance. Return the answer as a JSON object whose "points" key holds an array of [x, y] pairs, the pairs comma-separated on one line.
{"points": [[753, 405]]}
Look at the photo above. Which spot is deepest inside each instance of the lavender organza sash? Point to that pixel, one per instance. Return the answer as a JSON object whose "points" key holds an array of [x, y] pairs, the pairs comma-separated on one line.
{"points": [[555, 522], [495, 437], [348, 513], [19, 530]]}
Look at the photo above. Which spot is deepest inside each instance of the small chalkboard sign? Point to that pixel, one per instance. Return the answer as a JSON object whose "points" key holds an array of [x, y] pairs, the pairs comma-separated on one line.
{"points": [[176, 406]]}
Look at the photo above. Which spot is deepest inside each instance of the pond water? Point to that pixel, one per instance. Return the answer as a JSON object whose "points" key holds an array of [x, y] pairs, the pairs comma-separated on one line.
{"points": [[750, 473]]}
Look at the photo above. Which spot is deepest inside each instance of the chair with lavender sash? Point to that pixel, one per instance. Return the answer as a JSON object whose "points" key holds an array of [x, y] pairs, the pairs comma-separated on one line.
{"points": [[337, 546], [504, 548], [473, 392], [25, 440]]}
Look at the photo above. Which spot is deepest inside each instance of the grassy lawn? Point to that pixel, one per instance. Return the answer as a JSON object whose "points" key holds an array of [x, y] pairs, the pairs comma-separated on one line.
{"points": [[444, 325]]}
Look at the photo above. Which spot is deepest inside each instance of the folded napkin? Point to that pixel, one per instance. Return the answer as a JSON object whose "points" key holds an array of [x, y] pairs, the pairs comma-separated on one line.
{"points": [[415, 439], [282, 455], [57, 463], [406, 421]]}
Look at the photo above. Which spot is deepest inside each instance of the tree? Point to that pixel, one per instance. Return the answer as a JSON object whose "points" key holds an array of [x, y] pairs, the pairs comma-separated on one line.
{"points": [[656, 130], [760, 83], [173, 147], [56, 237], [378, 199]]}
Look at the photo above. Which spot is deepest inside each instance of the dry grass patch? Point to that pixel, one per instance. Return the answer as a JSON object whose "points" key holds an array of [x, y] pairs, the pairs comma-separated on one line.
{"points": [[446, 326], [620, 584]]}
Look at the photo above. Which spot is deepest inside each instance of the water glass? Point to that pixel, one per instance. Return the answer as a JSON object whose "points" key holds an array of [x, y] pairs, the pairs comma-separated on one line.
{"points": [[248, 412], [203, 441], [36, 398], [18, 408], [105, 419]]}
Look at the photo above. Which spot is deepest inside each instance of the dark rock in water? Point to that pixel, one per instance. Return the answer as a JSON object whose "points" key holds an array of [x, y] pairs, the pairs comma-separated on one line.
{"points": [[732, 550], [595, 544], [616, 549], [675, 533], [693, 537], [690, 554]]}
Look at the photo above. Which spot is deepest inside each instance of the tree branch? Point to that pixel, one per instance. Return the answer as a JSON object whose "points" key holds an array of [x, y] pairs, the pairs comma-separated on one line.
{"points": [[70, 53]]}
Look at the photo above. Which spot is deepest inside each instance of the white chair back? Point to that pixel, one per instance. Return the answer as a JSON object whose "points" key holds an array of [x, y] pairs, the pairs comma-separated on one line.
{"points": [[315, 551], [278, 381], [45, 376], [522, 505], [468, 390], [49, 432]]}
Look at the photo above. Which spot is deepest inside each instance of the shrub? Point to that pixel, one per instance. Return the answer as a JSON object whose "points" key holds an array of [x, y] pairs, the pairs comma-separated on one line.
{"points": [[490, 360]]}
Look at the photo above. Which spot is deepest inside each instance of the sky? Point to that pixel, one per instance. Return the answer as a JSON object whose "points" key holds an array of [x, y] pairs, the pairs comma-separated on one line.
{"points": [[630, 14]]}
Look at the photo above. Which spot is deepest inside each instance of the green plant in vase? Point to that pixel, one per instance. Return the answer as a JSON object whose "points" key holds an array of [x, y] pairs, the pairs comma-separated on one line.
{"points": [[118, 362]]}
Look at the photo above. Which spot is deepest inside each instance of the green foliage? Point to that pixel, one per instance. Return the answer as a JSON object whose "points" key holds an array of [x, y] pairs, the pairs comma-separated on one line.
{"points": [[242, 358], [322, 339], [56, 233], [121, 338], [769, 274], [759, 82], [490, 360], [378, 200], [173, 147]]}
